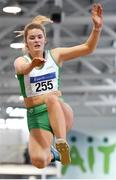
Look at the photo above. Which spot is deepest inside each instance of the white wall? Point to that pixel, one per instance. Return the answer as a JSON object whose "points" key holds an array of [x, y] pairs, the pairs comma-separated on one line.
{"points": [[12, 145]]}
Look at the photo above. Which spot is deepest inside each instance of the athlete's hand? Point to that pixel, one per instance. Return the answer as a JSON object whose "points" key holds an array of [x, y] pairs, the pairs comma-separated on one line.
{"points": [[97, 15], [38, 61]]}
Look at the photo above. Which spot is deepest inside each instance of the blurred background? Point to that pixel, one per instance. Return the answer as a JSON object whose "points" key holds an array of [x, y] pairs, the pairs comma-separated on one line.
{"points": [[88, 85]]}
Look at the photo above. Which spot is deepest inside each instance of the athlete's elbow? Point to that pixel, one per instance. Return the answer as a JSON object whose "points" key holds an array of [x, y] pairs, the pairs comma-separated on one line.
{"points": [[90, 49]]}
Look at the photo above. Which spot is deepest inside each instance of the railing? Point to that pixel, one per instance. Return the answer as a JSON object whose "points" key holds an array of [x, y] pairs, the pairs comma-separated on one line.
{"points": [[12, 169]]}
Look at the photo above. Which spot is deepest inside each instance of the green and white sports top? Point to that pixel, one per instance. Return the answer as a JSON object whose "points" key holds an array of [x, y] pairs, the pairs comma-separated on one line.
{"points": [[40, 81]]}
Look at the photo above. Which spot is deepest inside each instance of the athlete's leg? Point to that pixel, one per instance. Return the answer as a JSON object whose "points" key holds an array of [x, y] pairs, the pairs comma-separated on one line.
{"points": [[39, 147], [61, 145], [58, 112], [56, 116], [68, 113]]}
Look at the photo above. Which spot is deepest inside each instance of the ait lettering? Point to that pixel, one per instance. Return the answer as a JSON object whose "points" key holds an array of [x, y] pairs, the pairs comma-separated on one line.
{"points": [[77, 160], [107, 151]]}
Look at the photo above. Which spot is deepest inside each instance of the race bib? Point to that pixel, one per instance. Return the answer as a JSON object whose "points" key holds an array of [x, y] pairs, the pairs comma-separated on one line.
{"points": [[44, 83]]}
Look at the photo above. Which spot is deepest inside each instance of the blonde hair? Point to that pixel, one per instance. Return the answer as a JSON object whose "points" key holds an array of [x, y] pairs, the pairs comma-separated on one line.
{"points": [[43, 20], [38, 22]]}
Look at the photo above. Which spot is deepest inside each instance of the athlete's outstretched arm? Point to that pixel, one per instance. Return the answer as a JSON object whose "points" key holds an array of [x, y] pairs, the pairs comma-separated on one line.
{"points": [[89, 46]]}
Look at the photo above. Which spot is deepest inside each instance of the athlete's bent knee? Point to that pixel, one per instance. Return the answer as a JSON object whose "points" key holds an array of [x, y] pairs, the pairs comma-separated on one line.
{"points": [[51, 99], [39, 162]]}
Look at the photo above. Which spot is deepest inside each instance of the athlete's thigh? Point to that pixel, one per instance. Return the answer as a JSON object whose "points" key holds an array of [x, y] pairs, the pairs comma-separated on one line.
{"points": [[68, 113], [39, 140]]}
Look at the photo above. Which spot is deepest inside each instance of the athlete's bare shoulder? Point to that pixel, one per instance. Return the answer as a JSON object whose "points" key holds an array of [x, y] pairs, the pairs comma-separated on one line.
{"points": [[56, 55], [19, 63], [19, 60]]}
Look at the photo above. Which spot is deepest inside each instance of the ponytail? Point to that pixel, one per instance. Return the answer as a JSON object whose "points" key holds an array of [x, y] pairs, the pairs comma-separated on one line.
{"points": [[39, 21]]}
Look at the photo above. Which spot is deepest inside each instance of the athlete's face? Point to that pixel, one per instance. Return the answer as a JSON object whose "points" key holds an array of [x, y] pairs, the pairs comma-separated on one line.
{"points": [[35, 40]]}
